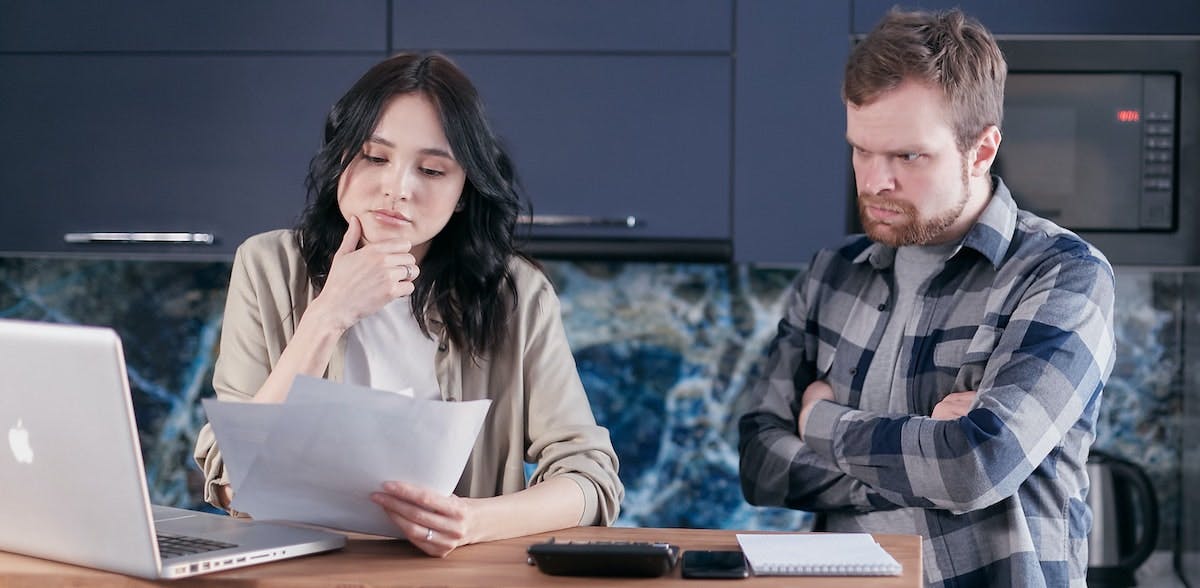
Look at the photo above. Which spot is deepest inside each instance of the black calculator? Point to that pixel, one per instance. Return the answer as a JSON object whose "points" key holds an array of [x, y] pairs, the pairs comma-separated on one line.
{"points": [[604, 558]]}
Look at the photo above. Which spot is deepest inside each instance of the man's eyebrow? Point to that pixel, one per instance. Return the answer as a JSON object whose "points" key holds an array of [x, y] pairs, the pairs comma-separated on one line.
{"points": [[854, 145], [898, 151]]}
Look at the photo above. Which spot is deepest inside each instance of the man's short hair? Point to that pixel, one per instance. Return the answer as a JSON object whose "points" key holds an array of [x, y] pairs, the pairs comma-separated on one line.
{"points": [[947, 50]]}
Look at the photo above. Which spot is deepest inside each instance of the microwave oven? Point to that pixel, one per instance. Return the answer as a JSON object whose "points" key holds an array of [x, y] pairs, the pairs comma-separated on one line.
{"points": [[1100, 136]]}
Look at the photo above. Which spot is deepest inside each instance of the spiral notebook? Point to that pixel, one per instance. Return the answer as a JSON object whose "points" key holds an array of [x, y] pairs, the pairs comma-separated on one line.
{"points": [[817, 554]]}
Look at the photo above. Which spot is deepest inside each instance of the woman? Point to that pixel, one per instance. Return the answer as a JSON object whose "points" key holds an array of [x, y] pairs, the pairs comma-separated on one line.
{"points": [[402, 272]]}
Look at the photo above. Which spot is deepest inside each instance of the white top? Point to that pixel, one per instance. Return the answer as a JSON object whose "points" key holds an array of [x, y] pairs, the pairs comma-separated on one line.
{"points": [[388, 351]]}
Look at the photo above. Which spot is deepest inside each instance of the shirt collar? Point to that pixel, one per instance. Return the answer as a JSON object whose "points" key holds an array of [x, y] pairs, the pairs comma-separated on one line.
{"points": [[990, 235]]}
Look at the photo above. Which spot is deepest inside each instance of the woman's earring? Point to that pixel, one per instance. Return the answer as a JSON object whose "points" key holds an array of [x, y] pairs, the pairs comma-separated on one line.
{"points": [[461, 205]]}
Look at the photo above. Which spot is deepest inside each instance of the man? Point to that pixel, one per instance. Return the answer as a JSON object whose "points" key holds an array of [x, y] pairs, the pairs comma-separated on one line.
{"points": [[940, 375]]}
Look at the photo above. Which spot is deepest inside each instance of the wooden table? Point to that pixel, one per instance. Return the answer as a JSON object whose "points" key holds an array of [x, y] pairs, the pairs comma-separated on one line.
{"points": [[378, 563]]}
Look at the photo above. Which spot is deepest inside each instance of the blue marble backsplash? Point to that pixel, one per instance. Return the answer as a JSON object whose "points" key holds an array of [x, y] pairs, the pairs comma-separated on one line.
{"points": [[664, 351]]}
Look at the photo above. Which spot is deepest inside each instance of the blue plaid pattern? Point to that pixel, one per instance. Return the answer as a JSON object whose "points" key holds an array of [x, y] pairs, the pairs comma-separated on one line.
{"points": [[1021, 313]]}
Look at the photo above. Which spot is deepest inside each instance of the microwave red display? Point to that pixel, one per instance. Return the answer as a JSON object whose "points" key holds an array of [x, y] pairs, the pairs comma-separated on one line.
{"points": [[1128, 116]]}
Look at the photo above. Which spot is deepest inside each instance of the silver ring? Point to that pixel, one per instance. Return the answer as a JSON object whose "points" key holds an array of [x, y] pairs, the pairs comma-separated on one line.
{"points": [[407, 273], [429, 534]]}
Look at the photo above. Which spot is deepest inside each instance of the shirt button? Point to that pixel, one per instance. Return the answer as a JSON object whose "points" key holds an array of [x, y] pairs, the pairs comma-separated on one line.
{"points": [[853, 371], [882, 307]]}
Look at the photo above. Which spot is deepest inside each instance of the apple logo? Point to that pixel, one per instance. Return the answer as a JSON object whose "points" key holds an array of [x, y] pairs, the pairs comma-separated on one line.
{"points": [[18, 441]]}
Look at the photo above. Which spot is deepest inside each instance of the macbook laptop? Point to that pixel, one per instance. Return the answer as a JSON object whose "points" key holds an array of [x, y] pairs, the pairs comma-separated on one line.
{"points": [[74, 489]]}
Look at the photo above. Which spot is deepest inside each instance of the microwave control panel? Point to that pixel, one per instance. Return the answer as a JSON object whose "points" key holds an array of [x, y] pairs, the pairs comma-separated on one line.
{"points": [[1159, 156]]}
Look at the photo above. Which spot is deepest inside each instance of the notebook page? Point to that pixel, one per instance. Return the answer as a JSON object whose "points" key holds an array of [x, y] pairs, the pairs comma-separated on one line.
{"points": [[817, 554]]}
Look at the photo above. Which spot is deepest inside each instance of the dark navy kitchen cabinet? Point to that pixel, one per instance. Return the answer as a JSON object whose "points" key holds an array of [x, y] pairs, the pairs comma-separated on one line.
{"points": [[149, 120], [154, 25], [1076, 17], [618, 114], [558, 26], [791, 164], [211, 145], [611, 137]]}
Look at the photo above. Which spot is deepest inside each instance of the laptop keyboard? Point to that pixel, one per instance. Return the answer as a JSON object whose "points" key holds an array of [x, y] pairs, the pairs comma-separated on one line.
{"points": [[176, 545]]}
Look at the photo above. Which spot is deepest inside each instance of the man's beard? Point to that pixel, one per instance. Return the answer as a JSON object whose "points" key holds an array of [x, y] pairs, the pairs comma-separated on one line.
{"points": [[910, 230]]}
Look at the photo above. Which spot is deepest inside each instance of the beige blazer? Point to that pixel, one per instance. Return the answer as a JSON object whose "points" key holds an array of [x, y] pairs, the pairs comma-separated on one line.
{"points": [[539, 413]]}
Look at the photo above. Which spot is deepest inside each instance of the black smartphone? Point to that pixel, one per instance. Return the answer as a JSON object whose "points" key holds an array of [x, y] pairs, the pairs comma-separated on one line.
{"points": [[714, 564]]}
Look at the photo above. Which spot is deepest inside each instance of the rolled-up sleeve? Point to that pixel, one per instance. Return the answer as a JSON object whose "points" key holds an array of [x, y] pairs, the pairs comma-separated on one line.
{"points": [[563, 437]]}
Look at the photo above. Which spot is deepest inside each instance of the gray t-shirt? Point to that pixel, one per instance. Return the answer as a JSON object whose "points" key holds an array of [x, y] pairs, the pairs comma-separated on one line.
{"points": [[884, 390]]}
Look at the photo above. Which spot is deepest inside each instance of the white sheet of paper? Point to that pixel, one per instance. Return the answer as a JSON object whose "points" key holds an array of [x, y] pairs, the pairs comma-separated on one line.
{"points": [[331, 445], [244, 426]]}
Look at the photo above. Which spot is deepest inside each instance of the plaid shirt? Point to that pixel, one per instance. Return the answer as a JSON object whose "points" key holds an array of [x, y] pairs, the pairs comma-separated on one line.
{"points": [[1021, 313]]}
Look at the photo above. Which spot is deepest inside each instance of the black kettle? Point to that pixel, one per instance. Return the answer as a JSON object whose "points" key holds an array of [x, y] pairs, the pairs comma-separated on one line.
{"points": [[1124, 520]]}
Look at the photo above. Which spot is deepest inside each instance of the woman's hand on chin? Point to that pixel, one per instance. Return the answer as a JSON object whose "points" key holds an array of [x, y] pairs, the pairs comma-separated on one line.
{"points": [[363, 279]]}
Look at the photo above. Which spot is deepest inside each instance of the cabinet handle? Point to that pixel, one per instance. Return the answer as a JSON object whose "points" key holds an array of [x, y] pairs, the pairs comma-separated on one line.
{"points": [[199, 238], [569, 220]]}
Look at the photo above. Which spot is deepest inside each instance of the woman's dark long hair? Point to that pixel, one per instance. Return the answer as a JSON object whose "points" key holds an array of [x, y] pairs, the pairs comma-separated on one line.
{"points": [[464, 274]]}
